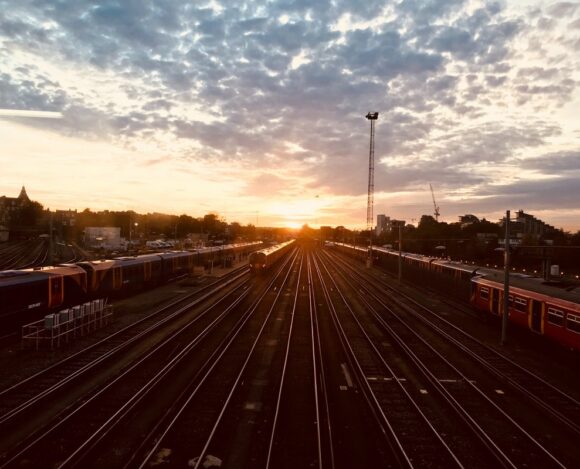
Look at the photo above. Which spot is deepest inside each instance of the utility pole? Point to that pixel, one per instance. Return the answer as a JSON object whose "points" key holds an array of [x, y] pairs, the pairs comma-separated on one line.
{"points": [[50, 241], [400, 252], [372, 116], [506, 281]]}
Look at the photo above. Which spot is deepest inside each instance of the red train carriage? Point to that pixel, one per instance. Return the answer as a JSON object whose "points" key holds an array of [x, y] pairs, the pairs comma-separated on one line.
{"points": [[556, 318]]}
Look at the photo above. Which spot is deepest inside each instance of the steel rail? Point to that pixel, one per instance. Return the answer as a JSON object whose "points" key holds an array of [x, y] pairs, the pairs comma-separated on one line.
{"points": [[523, 389], [320, 389], [383, 421], [284, 367], [423, 367], [128, 405], [494, 449], [18, 409], [378, 354], [78, 456], [215, 359]]}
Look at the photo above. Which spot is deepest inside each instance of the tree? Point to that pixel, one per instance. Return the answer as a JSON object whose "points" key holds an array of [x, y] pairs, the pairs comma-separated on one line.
{"points": [[30, 214]]}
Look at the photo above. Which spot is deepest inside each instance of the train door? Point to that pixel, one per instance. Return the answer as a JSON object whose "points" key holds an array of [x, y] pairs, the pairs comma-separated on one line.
{"points": [[536, 316], [55, 291], [117, 278], [147, 271], [495, 301]]}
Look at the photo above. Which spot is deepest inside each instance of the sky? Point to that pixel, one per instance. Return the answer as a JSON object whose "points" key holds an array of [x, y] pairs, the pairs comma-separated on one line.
{"points": [[255, 110]]}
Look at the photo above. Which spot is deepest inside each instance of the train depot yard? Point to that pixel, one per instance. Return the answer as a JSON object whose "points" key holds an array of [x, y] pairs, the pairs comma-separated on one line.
{"points": [[309, 360]]}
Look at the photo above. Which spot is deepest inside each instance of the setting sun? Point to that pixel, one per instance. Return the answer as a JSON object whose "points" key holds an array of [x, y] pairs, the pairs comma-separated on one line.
{"points": [[292, 224], [298, 213]]}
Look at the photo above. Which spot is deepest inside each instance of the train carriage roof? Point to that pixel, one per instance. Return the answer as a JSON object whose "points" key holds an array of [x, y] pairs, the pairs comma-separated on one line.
{"points": [[455, 265], [226, 247], [356, 248], [274, 248], [98, 265], [174, 254], [14, 277], [531, 284], [135, 260]]}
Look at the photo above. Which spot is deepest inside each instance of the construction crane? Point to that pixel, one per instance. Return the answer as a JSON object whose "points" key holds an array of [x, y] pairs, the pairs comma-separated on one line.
{"points": [[435, 206], [372, 116]]}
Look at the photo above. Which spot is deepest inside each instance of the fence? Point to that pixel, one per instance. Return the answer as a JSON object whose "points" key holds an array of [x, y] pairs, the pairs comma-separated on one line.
{"points": [[63, 327]]}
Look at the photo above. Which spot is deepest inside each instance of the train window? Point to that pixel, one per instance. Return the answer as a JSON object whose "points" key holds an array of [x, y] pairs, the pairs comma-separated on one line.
{"points": [[555, 317], [521, 305], [484, 293], [573, 323]]}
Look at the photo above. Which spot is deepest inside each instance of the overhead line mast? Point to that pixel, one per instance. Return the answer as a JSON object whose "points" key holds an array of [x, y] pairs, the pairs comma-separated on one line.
{"points": [[372, 116]]}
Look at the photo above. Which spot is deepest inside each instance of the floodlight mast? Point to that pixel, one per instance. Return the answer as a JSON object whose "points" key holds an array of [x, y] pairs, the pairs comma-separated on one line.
{"points": [[371, 116]]}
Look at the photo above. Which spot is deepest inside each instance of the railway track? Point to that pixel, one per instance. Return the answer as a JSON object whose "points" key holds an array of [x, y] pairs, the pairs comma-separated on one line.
{"points": [[413, 439], [405, 324], [558, 404], [316, 365], [24, 404], [24, 254], [233, 393]]}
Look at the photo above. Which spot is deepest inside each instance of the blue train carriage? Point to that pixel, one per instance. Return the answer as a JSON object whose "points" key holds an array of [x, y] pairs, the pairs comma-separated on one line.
{"points": [[175, 264], [135, 272], [262, 260], [220, 254], [544, 309], [26, 295]]}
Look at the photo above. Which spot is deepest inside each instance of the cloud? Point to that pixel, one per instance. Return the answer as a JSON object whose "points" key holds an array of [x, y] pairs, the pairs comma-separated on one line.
{"points": [[460, 87]]}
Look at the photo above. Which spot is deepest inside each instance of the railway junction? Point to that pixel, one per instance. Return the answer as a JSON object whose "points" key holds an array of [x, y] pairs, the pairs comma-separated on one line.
{"points": [[312, 361]]}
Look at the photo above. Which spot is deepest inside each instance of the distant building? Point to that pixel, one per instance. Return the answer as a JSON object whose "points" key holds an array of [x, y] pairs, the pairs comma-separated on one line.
{"points": [[65, 217], [383, 224], [197, 239], [9, 205], [103, 237], [526, 225], [387, 224]]}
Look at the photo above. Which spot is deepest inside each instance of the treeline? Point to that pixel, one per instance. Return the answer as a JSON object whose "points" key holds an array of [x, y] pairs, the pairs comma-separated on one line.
{"points": [[160, 225], [477, 242], [32, 220]]}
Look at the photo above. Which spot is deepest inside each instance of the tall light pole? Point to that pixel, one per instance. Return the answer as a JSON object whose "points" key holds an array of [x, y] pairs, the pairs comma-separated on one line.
{"points": [[506, 280], [130, 232], [372, 116]]}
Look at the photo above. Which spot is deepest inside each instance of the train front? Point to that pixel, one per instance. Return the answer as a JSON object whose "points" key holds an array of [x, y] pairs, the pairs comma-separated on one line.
{"points": [[257, 262]]}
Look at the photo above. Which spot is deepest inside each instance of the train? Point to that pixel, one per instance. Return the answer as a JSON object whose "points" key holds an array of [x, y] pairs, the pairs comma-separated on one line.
{"points": [[542, 308], [261, 261], [28, 294]]}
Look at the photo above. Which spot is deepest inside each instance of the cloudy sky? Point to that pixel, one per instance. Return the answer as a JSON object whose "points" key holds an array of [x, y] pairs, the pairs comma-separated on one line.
{"points": [[255, 109]]}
